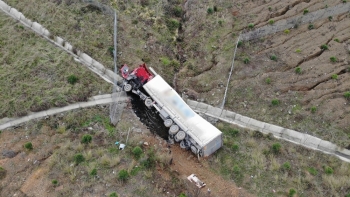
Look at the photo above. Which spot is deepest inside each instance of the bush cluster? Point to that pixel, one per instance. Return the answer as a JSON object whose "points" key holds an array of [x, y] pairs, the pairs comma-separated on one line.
{"points": [[123, 175], [86, 139], [28, 146], [72, 79], [137, 151]]}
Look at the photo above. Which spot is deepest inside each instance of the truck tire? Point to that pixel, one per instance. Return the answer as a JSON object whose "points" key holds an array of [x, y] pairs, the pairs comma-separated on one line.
{"points": [[194, 149], [173, 129], [180, 136], [148, 102], [127, 87], [168, 122], [183, 144]]}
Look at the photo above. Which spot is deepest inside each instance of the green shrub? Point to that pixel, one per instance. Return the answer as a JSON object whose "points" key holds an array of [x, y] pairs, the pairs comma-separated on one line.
{"points": [[239, 44], [344, 1], [236, 170], [137, 151], [113, 194], [54, 182], [235, 147], [221, 22], [313, 109], [232, 132], [287, 31], [182, 195], [330, 18], [333, 59], [2, 173], [123, 175], [276, 148], [286, 166], [270, 9], [298, 50], [324, 47], [172, 24], [306, 11], [28, 146], [135, 170], [347, 95], [177, 11], [298, 70], [134, 22], [335, 76], [312, 171], [271, 22], [79, 158], [246, 60], [347, 195], [292, 192], [93, 172], [215, 8], [86, 139], [210, 11], [275, 102], [251, 25], [273, 57], [328, 170], [311, 26], [336, 40], [165, 61], [268, 80], [72, 79]]}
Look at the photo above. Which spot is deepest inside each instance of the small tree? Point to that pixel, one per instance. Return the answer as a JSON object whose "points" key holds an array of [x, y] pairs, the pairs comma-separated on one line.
{"points": [[210, 11], [28, 146], [72, 79], [311, 26], [292, 192], [113, 194], [306, 11], [86, 139], [123, 175], [273, 57], [275, 102], [276, 148], [79, 158], [54, 182], [137, 151]]}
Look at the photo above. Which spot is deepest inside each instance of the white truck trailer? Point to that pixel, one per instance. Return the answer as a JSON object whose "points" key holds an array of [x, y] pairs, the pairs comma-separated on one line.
{"points": [[185, 126]]}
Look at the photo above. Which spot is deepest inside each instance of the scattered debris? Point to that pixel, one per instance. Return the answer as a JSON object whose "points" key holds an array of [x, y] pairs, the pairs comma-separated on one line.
{"points": [[122, 146], [195, 179], [145, 143]]}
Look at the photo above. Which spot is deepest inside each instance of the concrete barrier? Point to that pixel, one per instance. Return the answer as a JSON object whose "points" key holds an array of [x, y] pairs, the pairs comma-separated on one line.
{"points": [[214, 111], [4, 6], [202, 107], [256, 124], [343, 153], [27, 22], [327, 146], [59, 40], [15, 13], [228, 115], [311, 141], [293, 136], [192, 104], [68, 46], [273, 129], [37, 28], [45, 32], [86, 58], [112, 75], [98, 66]]}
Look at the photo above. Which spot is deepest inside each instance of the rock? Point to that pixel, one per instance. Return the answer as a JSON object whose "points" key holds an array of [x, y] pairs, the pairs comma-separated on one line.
{"points": [[145, 143], [9, 153]]}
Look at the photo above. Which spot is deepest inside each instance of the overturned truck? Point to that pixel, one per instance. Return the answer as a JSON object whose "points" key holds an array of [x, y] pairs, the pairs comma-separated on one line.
{"points": [[185, 126]]}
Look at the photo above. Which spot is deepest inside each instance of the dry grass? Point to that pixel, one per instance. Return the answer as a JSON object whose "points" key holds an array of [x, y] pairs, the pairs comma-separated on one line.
{"points": [[33, 73], [259, 170]]}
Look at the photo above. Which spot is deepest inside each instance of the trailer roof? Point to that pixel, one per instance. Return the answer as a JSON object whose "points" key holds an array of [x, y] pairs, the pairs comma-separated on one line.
{"points": [[198, 128]]}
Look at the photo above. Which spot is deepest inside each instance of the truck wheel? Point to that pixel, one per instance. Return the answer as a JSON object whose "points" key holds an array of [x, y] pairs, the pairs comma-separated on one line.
{"points": [[182, 144], [194, 149], [180, 136], [127, 87], [173, 129], [168, 122], [148, 102]]}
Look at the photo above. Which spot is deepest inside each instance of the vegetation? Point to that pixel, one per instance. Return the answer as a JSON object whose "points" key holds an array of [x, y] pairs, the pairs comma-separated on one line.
{"points": [[79, 158], [333, 59], [113, 194], [276, 148], [273, 57], [54, 182], [72, 79], [292, 192], [287, 31], [328, 170], [275, 102], [240, 43], [251, 25], [271, 22], [313, 109], [210, 10], [335, 76], [286, 166], [347, 95], [268, 80], [306, 11], [246, 60], [28, 146], [173, 24], [298, 51], [312, 171], [324, 47], [86, 139], [298, 70], [93, 172], [336, 40], [123, 175], [311, 26], [137, 151]]}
